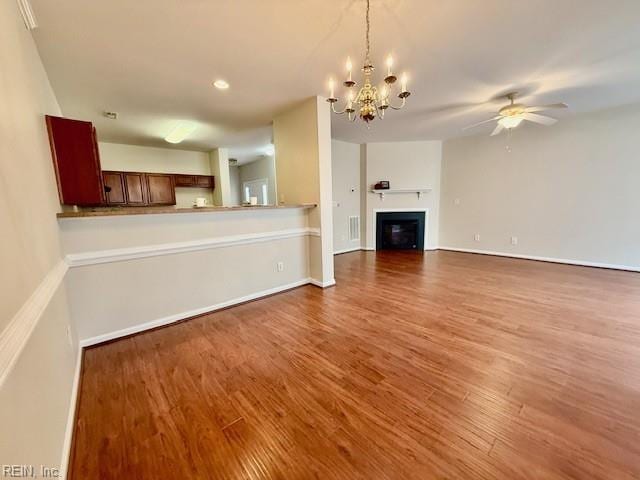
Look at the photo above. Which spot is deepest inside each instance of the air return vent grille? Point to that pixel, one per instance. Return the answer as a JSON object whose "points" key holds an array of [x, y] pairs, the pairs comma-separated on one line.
{"points": [[354, 228]]}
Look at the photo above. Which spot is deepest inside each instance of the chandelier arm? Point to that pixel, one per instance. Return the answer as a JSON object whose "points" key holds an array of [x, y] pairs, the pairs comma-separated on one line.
{"points": [[333, 108], [404, 101]]}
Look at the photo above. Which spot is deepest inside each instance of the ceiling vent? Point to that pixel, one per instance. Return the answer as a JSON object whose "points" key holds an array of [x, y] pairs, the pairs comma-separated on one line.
{"points": [[27, 14], [233, 161]]}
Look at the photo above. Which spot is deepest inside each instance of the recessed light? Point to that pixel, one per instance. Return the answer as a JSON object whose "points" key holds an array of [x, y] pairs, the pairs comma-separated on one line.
{"points": [[181, 131], [221, 84]]}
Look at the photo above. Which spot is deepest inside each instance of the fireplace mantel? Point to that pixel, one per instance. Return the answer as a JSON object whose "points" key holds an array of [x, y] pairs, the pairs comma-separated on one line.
{"points": [[392, 191]]}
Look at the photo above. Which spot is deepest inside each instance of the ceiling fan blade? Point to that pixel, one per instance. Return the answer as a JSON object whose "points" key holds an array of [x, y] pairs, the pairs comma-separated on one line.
{"points": [[541, 119], [483, 122], [540, 108], [497, 130]]}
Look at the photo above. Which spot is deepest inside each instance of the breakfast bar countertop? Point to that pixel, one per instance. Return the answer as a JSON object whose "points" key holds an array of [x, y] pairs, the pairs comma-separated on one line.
{"points": [[116, 211]]}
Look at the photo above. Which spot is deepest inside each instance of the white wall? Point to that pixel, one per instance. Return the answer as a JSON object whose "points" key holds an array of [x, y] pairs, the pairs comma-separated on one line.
{"points": [[404, 165], [345, 171], [36, 365], [263, 167], [234, 184], [135, 158], [118, 294], [570, 191]]}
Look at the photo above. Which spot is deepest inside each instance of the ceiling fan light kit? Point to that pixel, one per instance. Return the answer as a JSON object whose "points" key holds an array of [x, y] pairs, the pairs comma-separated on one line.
{"points": [[512, 115], [370, 101]]}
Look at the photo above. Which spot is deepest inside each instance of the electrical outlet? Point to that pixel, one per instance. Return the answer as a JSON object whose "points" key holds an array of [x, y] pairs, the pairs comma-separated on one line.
{"points": [[476, 237], [281, 266], [514, 240]]}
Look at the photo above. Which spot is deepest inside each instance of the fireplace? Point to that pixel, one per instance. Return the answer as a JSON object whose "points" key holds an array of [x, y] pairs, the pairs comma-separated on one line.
{"points": [[400, 230]]}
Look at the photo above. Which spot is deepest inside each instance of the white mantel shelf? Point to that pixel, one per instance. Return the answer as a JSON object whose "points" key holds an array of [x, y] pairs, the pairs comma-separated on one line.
{"points": [[394, 191]]}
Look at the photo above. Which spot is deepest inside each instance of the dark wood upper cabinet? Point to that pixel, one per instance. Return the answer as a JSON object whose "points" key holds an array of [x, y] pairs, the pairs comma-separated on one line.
{"points": [[204, 181], [76, 161], [185, 180], [135, 188], [114, 188], [161, 190], [201, 181]]}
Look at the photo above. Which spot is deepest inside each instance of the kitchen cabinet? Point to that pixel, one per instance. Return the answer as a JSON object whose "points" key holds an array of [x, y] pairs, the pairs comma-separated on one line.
{"points": [[136, 188], [185, 180], [76, 161], [199, 181], [114, 188], [161, 190]]}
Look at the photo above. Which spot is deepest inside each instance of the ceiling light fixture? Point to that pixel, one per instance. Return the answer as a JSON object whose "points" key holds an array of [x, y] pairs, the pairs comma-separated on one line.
{"points": [[270, 151], [181, 131], [221, 84], [510, 122], [370, 100]]}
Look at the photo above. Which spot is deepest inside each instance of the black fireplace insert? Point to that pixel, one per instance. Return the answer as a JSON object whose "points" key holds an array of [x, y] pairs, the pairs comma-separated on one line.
{"points": [[400, 230]]}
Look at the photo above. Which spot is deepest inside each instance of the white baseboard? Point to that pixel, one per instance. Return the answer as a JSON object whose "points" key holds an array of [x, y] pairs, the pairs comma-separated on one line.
{"points": [[580, 263], [318, 283], [372, 249], [73, 405], [347, 250], [87, 342]]}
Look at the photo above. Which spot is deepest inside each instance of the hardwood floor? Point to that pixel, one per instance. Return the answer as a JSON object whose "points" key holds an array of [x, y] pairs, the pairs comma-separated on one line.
{"points": [[447, 365]]}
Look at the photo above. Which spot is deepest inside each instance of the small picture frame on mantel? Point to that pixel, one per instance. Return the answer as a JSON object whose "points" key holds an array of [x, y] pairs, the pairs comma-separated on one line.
{"points": [[382, 185]]}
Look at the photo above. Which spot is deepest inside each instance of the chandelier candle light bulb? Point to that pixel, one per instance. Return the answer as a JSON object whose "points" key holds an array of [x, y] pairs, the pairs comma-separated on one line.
{"points": [[369, 101]]}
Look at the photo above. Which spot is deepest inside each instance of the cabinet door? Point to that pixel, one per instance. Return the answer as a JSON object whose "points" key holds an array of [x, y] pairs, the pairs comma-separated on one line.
{"points": [[114, 188], [185, 180], [161, 189], [204, 181], [76, 162], [135, 186]]}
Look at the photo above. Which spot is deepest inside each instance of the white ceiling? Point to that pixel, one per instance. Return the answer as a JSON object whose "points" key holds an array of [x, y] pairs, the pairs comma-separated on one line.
{"points": [[153, 61]]}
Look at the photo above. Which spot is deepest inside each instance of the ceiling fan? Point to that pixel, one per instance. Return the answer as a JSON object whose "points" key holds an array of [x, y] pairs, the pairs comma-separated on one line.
{"points": [[512, 115]]}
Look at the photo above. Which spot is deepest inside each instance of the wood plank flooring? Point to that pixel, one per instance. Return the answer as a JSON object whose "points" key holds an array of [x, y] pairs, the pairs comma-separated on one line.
{"points": [[442, 365]]}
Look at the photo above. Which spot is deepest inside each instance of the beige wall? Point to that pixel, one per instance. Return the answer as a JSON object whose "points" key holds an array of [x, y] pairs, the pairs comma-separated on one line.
{"points": [[405, 165], [302, 140], [121, 295], [234, 185], [219, 159], [568, 192], [263, 167], [135, 158], [35, 396], [345, 172]]}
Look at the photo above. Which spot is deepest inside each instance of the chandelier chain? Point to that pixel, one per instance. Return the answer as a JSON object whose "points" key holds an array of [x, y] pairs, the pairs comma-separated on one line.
{"points": [[368, 29]]}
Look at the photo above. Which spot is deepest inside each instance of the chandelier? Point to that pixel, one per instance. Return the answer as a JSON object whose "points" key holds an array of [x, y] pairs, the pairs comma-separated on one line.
{"points": [[370, 101]]}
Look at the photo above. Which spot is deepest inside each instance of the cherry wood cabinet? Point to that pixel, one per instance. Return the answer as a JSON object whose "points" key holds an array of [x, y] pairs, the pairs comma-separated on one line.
{"points": [[200, 181], [76, 161], [136, 188], [160, 188], [114, 188], [185, 180]]}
